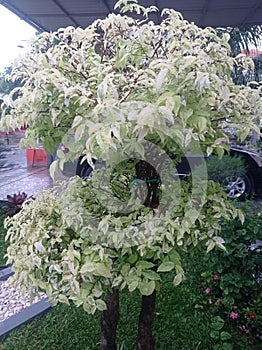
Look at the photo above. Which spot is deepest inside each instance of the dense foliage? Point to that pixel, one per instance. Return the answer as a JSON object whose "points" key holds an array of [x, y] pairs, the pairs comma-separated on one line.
{"points": [[6, 85], [226, 300], [229, 290], [220, 170], [242, 37], [76, 249], [3, 243]]}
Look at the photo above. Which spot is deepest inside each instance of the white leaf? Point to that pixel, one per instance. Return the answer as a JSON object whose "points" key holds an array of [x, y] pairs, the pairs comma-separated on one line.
{"points": [[160, 78], [39, 246], [202, 81], [101, 91], [77, 121], [178, 279]]}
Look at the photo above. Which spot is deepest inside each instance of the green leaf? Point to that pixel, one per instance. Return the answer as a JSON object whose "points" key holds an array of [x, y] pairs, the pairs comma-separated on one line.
{"points": [[102, 270], [116, 282], [151, 275], [147, 288], [225, 336], [90, 309], [227, 346], [79, 132], [241, 216], [87, 268], [175, 257], [144, 265], [63, 299], [217, 323], [176, 104], [125, 269], [166, 266], [101, 305], [214, 334], [132, 258], [160, 78], [201, 124], [77, 121], [133, 285]]}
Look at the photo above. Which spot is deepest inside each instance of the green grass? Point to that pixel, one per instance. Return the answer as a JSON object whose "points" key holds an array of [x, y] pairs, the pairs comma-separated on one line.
{"points": [[176, 326]]}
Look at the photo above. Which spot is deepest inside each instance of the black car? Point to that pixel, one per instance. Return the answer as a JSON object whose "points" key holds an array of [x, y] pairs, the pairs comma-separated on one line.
{"points": [[239, 187]]}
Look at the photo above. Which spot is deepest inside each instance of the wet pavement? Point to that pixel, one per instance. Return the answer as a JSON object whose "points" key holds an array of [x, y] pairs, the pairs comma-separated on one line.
{"points": [[16, 174], [19, 175]]}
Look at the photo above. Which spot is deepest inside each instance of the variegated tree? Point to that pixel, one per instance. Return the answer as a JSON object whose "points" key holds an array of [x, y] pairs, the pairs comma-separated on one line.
{"points": [[136, 97]]}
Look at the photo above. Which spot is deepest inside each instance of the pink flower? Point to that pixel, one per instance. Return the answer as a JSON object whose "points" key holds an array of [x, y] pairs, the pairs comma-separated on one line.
{"points": [[244, 329], [208, 290], [215, 277], [233, 315], [210, 301]]}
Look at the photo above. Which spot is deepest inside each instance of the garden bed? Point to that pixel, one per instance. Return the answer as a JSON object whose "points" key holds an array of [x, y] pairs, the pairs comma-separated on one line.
{"points": [[16, 310], [21, 311]]}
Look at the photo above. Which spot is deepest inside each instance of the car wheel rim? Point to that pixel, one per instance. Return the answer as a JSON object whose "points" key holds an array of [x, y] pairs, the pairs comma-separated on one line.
{"points": [[235, 187]]}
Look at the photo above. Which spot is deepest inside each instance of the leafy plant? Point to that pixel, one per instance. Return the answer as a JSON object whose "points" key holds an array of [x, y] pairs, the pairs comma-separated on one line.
{"points": [[242, 38], [220, 169], [123, 89], [8, 208], [7, 85], [3, 243], [259, 146], [230, 290], [13, 203]]}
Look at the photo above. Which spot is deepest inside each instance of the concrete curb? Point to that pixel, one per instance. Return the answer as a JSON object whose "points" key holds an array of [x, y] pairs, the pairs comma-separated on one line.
{"points": [[24, 316], [5, 273]]}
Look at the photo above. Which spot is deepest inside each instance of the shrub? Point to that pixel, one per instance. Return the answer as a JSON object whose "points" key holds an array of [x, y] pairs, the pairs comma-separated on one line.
{"points": [[220, 169], [228, 285]]}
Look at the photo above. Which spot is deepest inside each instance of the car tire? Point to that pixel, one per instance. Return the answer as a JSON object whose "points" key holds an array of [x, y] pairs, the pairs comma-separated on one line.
{"points": [[239, 187]]}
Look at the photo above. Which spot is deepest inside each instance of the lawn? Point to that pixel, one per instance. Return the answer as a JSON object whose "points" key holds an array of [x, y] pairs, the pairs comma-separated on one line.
{"points": [[177, 326], [185, 319]]}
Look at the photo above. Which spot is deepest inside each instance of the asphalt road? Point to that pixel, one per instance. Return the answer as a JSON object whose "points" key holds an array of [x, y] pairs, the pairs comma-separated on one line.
{"points": [[16, 174]]}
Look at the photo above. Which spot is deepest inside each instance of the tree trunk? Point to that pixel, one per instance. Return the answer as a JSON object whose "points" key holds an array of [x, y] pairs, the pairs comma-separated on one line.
{"points": [[150, 176], [145, 339], [109, 321], [148, 173]]}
